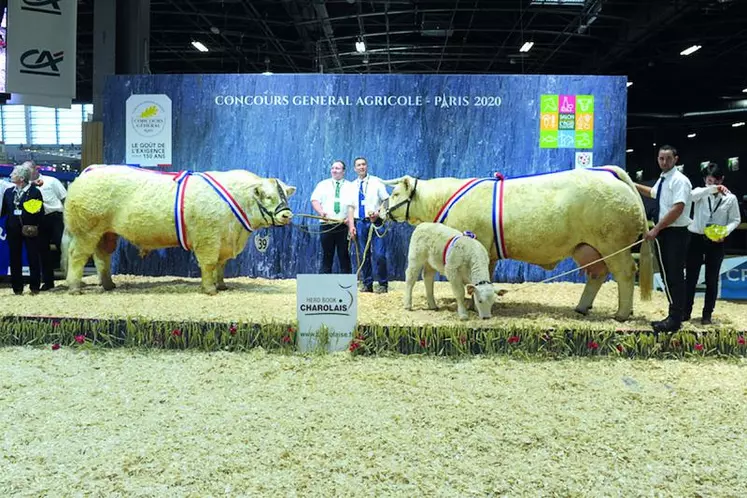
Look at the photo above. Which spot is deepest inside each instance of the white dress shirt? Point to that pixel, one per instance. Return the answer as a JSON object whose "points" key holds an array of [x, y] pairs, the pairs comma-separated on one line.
{"points": [[374, 193], [676, 189], [324, 193], [53, 193], [714, 208]]}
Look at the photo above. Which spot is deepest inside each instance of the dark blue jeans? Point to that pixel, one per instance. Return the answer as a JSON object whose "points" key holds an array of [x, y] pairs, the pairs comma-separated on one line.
{"points": [[376, 252]]}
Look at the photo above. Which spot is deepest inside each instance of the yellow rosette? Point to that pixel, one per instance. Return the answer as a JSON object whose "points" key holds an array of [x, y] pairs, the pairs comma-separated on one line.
{"points": [[33, 206], [715, 232]]}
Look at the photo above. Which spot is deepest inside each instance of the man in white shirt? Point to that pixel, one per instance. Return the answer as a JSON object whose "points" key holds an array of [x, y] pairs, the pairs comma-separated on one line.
{"points": [[714, 205], [371, 192], [672, 191], [334, 200], [53, 193]]}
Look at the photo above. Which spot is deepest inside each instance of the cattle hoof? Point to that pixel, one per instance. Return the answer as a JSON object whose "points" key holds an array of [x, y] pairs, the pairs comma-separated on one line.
{"points": [[464, 317], [210, 292], [582, 311], [75, 291], [221, 287], [108, 286], [621, 318]]}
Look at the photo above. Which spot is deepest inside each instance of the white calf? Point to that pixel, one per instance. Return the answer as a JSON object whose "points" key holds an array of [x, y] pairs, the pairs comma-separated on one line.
{"points": [[435, 247]]}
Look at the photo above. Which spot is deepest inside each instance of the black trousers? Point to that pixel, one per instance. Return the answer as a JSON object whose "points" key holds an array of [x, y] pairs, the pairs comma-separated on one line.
{"points": [[673, 242], [16, 241], [50, 232], [333, 240], [703, 249]]}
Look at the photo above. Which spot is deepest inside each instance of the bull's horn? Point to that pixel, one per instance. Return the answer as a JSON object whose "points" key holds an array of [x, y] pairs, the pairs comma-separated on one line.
{"points": [[394, 181]]}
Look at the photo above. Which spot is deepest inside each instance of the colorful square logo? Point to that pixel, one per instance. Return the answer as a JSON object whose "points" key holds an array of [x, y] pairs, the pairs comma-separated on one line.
{"points": [[566, 121]]}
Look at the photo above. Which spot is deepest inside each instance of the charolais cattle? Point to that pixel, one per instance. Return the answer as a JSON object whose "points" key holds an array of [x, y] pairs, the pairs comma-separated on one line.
{"points": [[211, 213], [583, 213]]}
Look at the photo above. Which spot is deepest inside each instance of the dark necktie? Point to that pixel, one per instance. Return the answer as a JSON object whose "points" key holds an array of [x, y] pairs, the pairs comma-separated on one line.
{"points": [[361, 198], [657, 210]]}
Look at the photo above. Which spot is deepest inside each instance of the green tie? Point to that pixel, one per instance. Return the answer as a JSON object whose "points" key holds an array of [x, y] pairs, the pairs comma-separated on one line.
{"points": [[337, 198]]}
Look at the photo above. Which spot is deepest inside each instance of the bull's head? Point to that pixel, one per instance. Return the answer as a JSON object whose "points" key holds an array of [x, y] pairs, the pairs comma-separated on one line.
{"points": [[271, 196], [397, 207]]}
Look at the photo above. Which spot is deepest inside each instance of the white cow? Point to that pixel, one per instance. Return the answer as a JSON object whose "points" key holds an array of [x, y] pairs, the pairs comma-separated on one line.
{"points": [[214, 213], [459, 257], [542, 219]]}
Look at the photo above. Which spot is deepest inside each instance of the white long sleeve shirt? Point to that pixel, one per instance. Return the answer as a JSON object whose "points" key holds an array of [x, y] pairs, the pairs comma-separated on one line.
{"points": [[714, 208]]}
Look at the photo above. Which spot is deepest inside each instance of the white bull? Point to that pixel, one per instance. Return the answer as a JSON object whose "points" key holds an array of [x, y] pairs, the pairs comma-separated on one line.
{"points": [[545, 219], [106, 202]]}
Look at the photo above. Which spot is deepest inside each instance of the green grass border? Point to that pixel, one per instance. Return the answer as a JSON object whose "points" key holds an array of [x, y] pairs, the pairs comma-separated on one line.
{"points": [[457, 340]]}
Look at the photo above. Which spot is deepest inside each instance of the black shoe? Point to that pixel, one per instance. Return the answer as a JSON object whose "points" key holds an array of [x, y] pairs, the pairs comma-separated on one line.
{"points": [[367, 289], [382, 289], [686, 318], [18, 292], [669, 324], [706, 320], [46, 287]]}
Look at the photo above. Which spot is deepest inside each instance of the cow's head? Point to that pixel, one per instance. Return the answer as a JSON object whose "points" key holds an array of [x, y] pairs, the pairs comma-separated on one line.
{"points": [[271, 196], [397, 207], [483, 296]]}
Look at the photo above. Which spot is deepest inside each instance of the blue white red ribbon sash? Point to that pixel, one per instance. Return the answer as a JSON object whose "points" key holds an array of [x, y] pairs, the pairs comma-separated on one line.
{"points": [[497, 210], [181, 180], [452, 241]]}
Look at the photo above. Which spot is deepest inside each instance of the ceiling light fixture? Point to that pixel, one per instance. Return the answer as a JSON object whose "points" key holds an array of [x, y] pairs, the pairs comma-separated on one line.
{"points": [[267, 71], [691, 50], [199, 46], [526, 47], [360, 46], [737, 125], [629, 84], [744, 90], [692, 135], [629, 151]]}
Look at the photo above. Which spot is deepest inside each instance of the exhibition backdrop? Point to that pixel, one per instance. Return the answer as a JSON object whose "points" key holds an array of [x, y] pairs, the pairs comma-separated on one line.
{"points": [[293, 127]]}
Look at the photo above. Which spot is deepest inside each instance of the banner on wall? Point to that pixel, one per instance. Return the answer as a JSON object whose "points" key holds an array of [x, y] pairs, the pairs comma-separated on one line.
{"points": [[148, 130], [41, 48], [292, 126]]}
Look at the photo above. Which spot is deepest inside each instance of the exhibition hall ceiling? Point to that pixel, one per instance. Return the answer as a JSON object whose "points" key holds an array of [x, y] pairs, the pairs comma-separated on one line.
{"points": [[646, 40]]}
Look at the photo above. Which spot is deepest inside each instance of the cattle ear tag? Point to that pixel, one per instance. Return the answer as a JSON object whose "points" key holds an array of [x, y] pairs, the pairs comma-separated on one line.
{"points": [[261, 243]]}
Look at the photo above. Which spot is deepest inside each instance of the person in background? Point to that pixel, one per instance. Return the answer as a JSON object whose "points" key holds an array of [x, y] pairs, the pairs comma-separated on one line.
{"points": [[54, 194], [23, 208], [714, 205], [333, 199], [371, 192], [672, 192]]}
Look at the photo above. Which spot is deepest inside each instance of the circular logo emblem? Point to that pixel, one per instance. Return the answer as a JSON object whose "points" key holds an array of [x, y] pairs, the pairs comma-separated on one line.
{"points": [[148, 119]]}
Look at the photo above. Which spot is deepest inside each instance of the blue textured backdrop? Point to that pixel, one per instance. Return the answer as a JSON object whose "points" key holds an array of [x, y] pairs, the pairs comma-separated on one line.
{"points": [[297, 143]]}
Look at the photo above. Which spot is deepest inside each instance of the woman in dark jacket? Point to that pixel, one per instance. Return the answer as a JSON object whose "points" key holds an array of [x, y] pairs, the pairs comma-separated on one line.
{"points": [[23, 210]]}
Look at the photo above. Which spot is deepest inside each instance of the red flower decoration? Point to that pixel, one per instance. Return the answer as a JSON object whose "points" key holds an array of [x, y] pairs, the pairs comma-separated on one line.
{"points": [[423, 344], [620, 348], [360, 337], [290, 330], [546, 338], [80, 339], [740, 340], [55, 323], [354, 345], [593, 345], [286, 339], [698, 347], [462, 339], [232, 329], [675, 344], [514, 339], [55, 346], [176, 332]]}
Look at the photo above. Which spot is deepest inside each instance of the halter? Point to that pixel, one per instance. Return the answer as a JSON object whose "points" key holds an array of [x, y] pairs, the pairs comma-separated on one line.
{"points": [[283, 206], [406, 201]]}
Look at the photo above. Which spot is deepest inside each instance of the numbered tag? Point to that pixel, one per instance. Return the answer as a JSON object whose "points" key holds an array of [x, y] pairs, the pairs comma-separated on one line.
{"points": [[17, 212], [261, 243]]}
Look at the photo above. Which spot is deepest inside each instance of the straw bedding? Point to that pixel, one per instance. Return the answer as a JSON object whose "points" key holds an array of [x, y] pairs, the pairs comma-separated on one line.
{"points": [[261, 300], [127, 422]]}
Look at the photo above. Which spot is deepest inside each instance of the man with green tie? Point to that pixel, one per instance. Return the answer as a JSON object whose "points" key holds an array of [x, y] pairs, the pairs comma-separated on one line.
{"points": [[334, 200]]}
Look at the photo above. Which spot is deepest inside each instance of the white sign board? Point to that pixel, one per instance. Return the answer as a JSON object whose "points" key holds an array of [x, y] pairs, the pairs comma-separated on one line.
{"points": [[41, 53], [148, 130], [327, 311], [732, 282]]}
